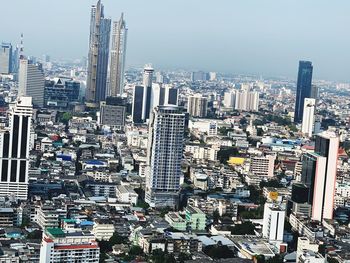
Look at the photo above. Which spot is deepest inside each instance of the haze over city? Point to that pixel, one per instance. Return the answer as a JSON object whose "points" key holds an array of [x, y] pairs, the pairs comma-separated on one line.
{"points": [[258, 37], [186, 131]]}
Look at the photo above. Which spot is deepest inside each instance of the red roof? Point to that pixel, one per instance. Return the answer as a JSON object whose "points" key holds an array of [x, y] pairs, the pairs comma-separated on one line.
{"points": [[73, 247]]}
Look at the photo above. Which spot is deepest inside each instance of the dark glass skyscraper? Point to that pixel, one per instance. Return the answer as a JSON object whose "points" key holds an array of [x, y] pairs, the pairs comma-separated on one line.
{"points": [[100, 28], [303, 88]]}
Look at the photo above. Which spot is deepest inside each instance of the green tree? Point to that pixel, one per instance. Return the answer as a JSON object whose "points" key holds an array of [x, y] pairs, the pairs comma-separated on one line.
{"points": [[260, 258], [36, 234], [218, 251], [246, 228], [216, 216], [183, 257], [66, 117], [225, 153]]}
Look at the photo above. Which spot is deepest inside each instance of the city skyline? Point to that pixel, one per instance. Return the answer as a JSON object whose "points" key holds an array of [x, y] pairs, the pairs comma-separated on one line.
{"points": [[250, 37]]}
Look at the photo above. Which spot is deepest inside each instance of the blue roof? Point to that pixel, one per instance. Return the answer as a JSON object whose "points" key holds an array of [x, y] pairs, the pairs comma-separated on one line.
{"points": [[95, 162], [86, 223]]}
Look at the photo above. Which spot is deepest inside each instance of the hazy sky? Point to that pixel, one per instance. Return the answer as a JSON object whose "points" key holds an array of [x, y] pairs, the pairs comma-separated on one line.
{"points": [[265, 37]]}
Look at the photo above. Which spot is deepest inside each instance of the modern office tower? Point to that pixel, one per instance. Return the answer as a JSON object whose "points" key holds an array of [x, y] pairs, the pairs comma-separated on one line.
{"points": [[15, 60], [199, 76], [118, 52], [113, 112], [5, 58], [14, 150], [170, 96], [263, 165], [314, 92], [197, 105], [229, 99], [319, 175], [100, 28], [163, 95], [307, 126], [137, 104], [164, 156], [61, 246], [273, 227], [147, 93], [31, 81], [303, 88], [59, 93], [247, 100]]}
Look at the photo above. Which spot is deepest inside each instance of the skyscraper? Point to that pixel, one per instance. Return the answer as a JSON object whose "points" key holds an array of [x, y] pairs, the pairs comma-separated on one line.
{"points": [[118, 52], [303, 88], [164, 156], [229, 99], [137, 104], [100, 28], [14, 150], [5, 58], [147, 93], [31, 81], [197, 105], [163, 95], [319, 175], [307, 126]]}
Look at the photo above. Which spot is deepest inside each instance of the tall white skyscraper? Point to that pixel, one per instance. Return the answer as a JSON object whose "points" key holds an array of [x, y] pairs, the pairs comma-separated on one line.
{"points": [[118, 52], [319, 175], [31, 81], [273, 226], [230, 99], [14, 150], [197, 105], [307, 126], [164, 156]]}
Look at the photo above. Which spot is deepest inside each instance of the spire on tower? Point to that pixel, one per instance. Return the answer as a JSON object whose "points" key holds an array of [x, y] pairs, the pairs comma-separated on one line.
{"points": [[21, 54]]}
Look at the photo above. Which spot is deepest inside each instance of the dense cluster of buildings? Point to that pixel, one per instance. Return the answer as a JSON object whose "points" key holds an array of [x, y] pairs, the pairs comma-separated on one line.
{"points": [[99, 164]]}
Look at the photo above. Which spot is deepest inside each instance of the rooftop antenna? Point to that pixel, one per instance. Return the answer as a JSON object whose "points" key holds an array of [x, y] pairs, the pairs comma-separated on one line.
{"points": [[21, 55]]}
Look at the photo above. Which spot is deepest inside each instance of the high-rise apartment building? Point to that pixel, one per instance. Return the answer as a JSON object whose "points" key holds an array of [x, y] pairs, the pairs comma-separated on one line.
{"points": [[31, 81], [118, 52], [304, 85], [319, 175], [229, 99], [14, 150], [247, 100], [60, 246], [307, 126], [5, 58], [100, 28], [164, 156], [263, 165], [197, 105], [273, 227]]}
